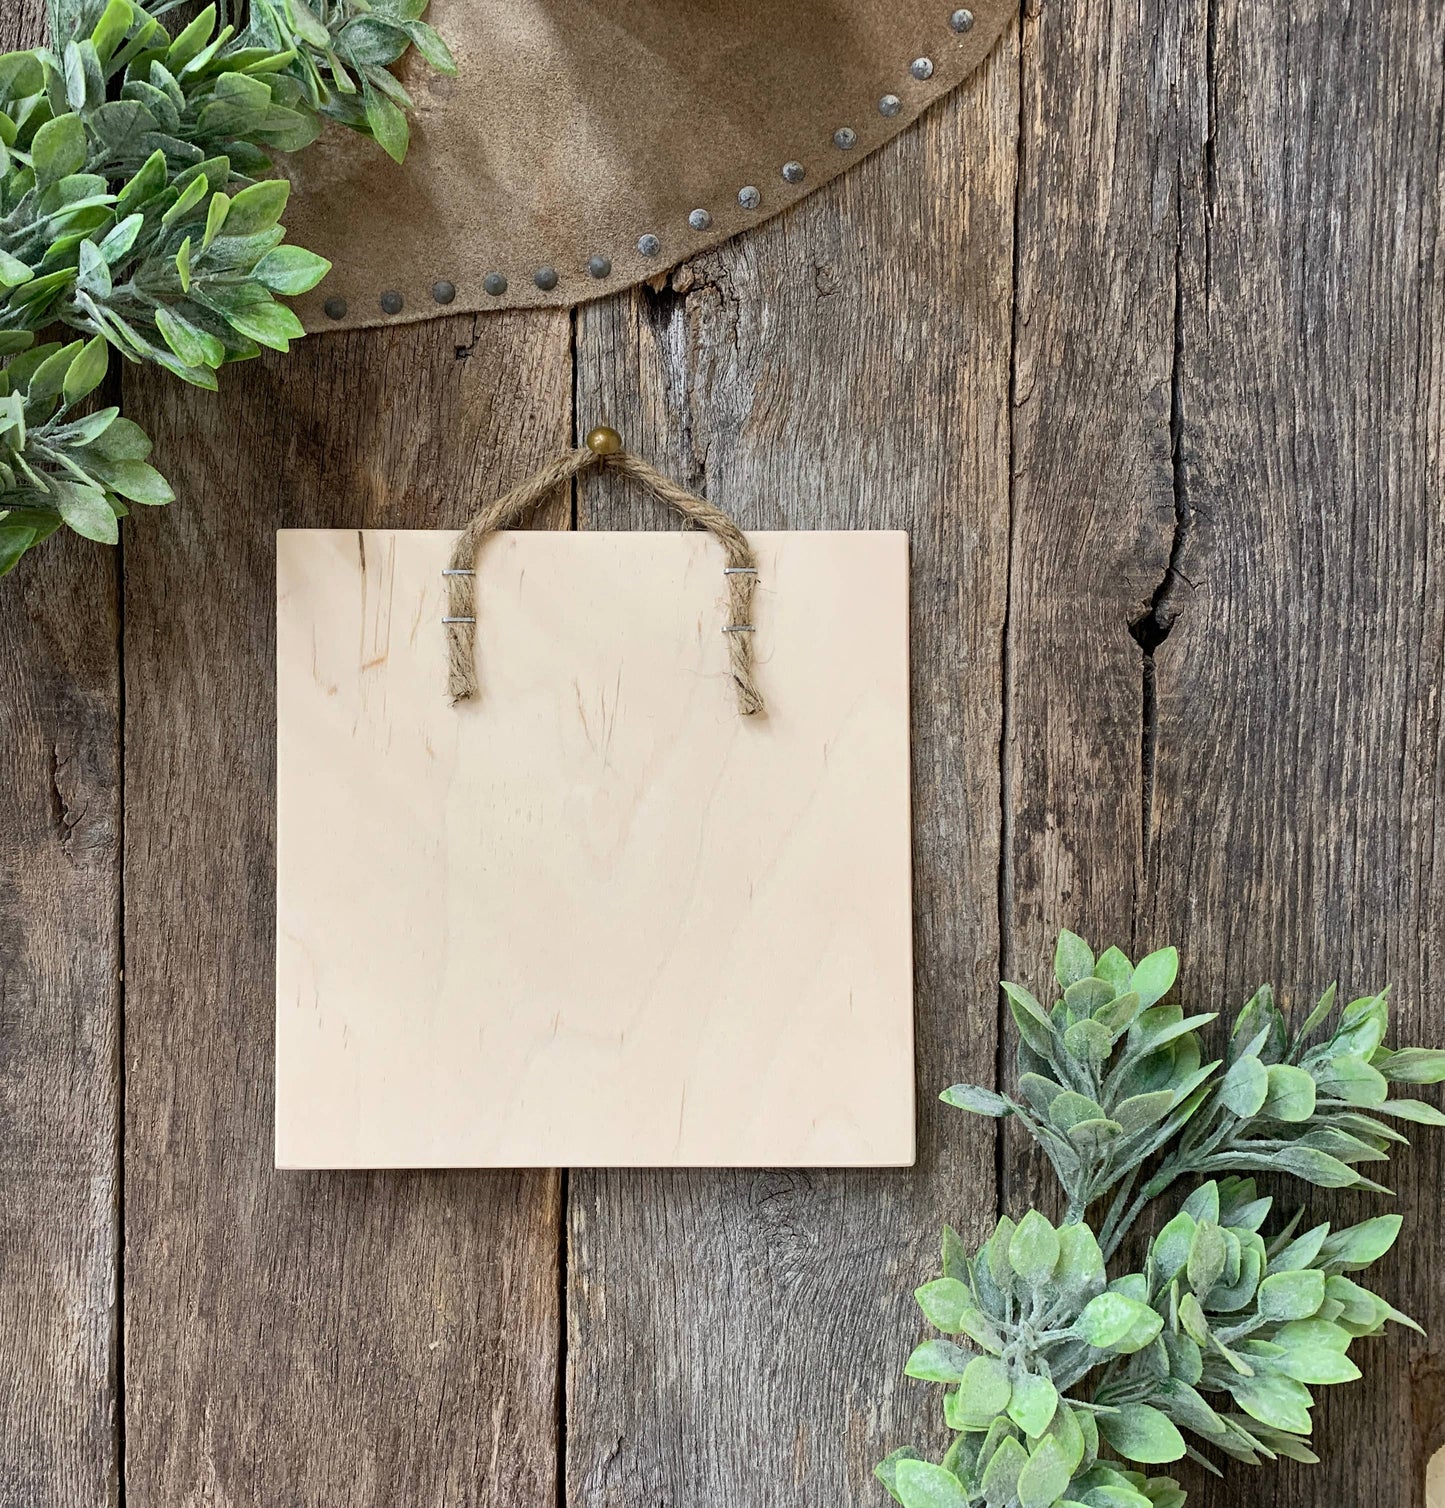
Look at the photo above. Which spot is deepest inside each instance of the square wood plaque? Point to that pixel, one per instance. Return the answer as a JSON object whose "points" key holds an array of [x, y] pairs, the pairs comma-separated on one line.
{"points": [[594, 918]]}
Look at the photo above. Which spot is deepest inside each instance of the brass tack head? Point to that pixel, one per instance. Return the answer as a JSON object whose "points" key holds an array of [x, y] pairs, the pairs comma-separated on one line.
{"points": [[335, 308], [961, 20], [599, 266], [921, 68], [443, 291], [603, 441], [545, 278], [889, 105], [495, 284], [845, 138], [391, 302], [749, 196], [793, 172]]}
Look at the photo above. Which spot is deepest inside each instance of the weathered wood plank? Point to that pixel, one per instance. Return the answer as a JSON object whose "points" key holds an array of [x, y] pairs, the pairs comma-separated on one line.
{"points": [[1300, 797], [303, 1338], [1239, 247], [740, 1337], [59, 1009]]}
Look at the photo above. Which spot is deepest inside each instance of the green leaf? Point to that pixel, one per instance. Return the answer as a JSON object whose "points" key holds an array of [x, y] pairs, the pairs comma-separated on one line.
{"points": [[1290, 1095], [1413, 1110], [86, 372], [58, 149], [976, 1098], [1114, 966], [388, 124], [921, 1484], [1205, 1266], [1088, 1040], [258, 207], [268, 324], [1069, 1109], [1245, 1086], [195, 346], [13, 271], [944, 1302], [937, 1361], [1045, 1477], [86, 511], [1073, 959], [1353, 1080], [1359, 1245], [1000, 1480], [1141, 1433], [1317, 1365], [887, 1469], [1172, 1244], [216, 213], [1081, 1263], [1033, 1403], [138, 482], [1143, 1110], [1115, 1322], [1414, 1065], [1291, 1295], [429, 44], [190, 42], [111, 28], [1362, 1025], [290, 270], [1154, 976], [1280, 1402], [984, 1390], [123, 440], [15, 540]]}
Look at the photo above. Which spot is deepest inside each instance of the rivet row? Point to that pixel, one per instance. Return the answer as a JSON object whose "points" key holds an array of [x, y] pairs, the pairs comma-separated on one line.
{"points": [[845, 138]]}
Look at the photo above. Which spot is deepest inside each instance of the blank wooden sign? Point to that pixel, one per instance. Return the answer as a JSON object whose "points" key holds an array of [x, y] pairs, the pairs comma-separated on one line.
{"points": [[594, 918]]}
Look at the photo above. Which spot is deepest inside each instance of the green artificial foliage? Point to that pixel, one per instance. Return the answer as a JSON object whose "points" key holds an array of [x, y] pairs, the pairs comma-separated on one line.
{"points": [[139, 207], [1065, 1379]]}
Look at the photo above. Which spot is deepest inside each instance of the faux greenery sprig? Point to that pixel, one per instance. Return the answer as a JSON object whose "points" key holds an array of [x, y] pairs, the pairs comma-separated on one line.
{"points": [[137, 207], [1062, 1380]]}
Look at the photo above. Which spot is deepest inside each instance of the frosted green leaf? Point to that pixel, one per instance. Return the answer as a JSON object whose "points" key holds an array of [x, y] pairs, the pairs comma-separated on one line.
{"points": [[938, 1361], [1290, 1095], [1141, 1433], [1171, 1245], [1000, 1480], [944, 1302], [921, 1484], [1359, 1245], [1277, 1401], [1154, 975], [1033, 1252], [1291, 1295], [1114, 1322], [984, 1389], [1045, 1475], [976, 1098], [1073, 959], [1413, 1065], [1244, 1087], [1033, 1403]]}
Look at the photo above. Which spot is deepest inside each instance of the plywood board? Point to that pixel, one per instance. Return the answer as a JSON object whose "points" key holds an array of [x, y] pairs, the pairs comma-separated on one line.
{"points": [[595, 918]]}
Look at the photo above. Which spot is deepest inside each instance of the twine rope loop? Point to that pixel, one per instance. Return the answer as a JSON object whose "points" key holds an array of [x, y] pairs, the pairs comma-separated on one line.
{"points": [[603, 450]]}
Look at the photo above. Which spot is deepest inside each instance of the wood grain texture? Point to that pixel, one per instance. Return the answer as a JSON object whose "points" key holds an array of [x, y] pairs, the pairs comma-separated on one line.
{"points": [[1298, 830], [60, 966], [739, 1337], [1231, 282], [299, 1338], [592, 916]]}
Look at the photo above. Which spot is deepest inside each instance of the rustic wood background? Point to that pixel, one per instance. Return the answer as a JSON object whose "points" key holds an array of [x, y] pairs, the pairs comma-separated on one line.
{"points": [[1140, 336]]}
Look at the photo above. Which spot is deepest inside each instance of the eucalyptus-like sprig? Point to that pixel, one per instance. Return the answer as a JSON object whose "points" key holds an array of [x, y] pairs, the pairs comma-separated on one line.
{"points": [[1062, 1381], [138, 207]]}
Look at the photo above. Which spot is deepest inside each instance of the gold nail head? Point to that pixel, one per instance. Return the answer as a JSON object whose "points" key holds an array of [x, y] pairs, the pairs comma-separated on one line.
{"points": [[604, 441]]}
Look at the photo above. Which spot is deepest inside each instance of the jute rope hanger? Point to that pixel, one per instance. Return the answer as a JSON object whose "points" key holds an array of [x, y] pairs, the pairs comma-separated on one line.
{"points": [[603, 449]]}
